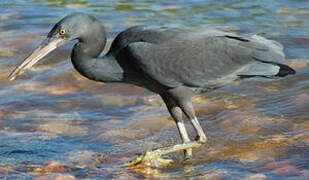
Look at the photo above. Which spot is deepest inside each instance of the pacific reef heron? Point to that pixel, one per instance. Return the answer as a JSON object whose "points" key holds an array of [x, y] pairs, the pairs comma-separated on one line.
{"points": [[175, 62]]}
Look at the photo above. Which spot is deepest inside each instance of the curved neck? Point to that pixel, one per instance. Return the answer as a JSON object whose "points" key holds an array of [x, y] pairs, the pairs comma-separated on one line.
{"points": [[85, 59], [90, 43]]}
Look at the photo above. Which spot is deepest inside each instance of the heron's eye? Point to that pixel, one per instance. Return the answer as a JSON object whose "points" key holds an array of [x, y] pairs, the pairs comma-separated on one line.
{"points": [[62, 31]]}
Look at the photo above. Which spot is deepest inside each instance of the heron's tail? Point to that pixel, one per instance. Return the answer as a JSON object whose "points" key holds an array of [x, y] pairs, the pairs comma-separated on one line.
{"points": [[284, 70], [266, 69]]}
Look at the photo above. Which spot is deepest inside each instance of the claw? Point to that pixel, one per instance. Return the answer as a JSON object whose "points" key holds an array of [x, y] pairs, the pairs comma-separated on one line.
{"points": [[153, 158], [149, 159]]}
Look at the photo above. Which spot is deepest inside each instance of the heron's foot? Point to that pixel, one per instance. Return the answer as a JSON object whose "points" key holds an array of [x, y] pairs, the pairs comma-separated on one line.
{"points": [[149, 159], [153, 158]]}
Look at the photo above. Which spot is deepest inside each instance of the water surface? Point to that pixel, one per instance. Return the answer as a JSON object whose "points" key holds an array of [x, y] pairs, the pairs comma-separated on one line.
{"points": [[54, 123]]}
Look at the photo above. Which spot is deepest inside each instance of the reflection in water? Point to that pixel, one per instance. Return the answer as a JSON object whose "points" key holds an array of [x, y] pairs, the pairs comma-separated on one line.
{"points": [[56, 124]]}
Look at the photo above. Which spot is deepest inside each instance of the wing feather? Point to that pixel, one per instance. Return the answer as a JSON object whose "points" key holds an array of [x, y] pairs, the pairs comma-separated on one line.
{"points": [[195, 60]]}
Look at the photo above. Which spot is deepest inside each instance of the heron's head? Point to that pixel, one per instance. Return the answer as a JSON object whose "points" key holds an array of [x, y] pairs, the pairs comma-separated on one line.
{"points": [[73, 26]]}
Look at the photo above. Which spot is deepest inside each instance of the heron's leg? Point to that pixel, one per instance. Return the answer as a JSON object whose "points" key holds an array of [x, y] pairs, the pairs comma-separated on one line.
{"points": [[176, 113], [201, 135], [189, 112], [185, 139], [153, 157]]}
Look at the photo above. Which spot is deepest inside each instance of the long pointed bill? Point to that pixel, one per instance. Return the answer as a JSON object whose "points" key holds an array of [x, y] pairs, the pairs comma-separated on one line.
{"points": [[45, 47]]}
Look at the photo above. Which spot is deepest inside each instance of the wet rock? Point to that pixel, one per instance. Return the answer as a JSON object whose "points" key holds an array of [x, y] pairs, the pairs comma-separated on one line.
{"points": [[153, 123], [24, 41], [242, 122], [4, 75], [256, 177], [7, 51], [148, 173], [207, 110], [250, 121], [102, 158], [215, 174], [124, 175], [202, 100], [284, 168], [55, 176], [61, 128], [55, 166], [10, 15], [288, 171], [49, 167], [115, 100], [271, 88], [82, 158], [252, 156], [3, 172], [153, 100], [118, 135], [123, 89], [30, 85], [274, 131], [111, 123], [60, 90], [46, 136], [2, 112], [17, 115], [238, 103], [301, 126], [217, 102], [302, 137], [248, 148]]}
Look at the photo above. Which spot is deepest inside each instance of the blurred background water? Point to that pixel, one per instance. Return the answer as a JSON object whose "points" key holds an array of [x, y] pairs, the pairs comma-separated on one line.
{"points": [[56, 124]]}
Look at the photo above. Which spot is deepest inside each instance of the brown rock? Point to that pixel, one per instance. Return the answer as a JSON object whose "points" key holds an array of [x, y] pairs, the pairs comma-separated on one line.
{"points": [[153, 100], [207, 110], [56, 177], [283, 168], [153, 123], [250, 156], [115, 100], [7, 51], [61, 128], [256, 177], [65, 177], [30, 86], [49, 167], [60, 90], [125, 175], [54, 166], [117, 135], [4, 75]]}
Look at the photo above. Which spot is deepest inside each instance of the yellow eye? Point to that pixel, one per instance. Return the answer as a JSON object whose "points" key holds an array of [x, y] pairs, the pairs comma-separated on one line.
{"points": [[62, 31]]}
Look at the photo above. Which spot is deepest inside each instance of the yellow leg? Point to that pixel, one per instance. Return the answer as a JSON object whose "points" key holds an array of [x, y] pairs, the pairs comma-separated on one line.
{"points": [[153, 158]]}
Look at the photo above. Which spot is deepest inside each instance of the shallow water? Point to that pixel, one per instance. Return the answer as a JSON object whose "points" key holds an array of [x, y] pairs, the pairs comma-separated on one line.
{"points": [[56, 124]]}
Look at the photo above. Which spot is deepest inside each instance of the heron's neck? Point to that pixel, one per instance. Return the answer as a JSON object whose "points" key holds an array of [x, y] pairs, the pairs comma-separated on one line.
{"points": [[85, 60]]}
